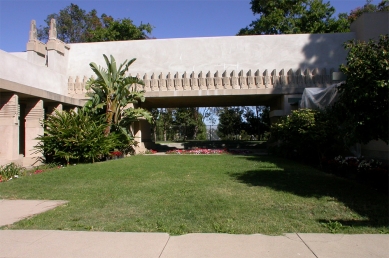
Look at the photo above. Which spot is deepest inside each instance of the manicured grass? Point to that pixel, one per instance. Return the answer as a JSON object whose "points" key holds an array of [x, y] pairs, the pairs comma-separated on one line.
{"points": [[216, 193]]}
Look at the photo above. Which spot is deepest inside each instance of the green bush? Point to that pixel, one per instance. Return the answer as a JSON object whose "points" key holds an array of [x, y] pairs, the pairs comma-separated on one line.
{"points": [[76, 136], [10, 171], [307, 134], [364, 99]]}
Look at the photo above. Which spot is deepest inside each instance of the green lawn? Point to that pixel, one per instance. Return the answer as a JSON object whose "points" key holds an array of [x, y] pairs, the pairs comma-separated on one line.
{"points": [[187, 194]]}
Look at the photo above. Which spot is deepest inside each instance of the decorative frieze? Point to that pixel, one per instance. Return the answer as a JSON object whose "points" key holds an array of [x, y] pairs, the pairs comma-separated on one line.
{"points": [[185, 81], [233, 80], [35, 110], [9, 108], [202, 83], [194, 82]]}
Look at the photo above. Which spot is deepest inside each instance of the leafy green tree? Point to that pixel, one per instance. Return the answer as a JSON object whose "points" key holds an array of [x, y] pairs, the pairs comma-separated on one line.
{"points": [[257, 121], [112, 93], [165, 122], [190, 120], [363, 104], [230, 122], [368, 8], [76, 25], [121, 29], [293, 17], [154, 120]]}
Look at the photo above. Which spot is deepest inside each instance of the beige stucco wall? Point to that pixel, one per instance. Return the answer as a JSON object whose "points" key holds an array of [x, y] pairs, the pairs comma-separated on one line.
{"points": [[215, 53], [22, 55], [21, 71], [366, 28], [376, 149]]}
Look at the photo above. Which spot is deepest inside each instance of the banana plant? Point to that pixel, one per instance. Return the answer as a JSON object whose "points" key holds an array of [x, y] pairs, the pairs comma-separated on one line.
{"points": [[112, 92]]}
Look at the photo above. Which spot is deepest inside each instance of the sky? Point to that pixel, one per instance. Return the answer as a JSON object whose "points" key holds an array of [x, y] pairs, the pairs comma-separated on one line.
{"points": [[171, 19]]}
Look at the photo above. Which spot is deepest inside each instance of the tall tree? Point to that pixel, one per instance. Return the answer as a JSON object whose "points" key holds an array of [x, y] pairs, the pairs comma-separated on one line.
{"points": [[76, 25], [230, 122], [257, 120], [165, 121], [364, 97], [293, 17], [190, 120], [121, 29]]}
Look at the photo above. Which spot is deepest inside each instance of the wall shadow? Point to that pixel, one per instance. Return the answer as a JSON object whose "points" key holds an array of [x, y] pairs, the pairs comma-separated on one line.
{"points": [[306, 181], [325, 51]]}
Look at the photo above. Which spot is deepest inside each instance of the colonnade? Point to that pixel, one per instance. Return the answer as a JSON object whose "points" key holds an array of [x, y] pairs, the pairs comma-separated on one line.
{"points": [[20, 123]]}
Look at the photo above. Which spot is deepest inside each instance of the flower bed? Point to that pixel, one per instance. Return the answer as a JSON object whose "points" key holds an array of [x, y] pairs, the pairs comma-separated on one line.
{"points": [[151, 151], [115, 155], [197, 151], [370, 172], [13, 171]]}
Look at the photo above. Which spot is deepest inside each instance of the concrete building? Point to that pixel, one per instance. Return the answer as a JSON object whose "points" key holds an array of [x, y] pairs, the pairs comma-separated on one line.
{"points": [[270, 70]]}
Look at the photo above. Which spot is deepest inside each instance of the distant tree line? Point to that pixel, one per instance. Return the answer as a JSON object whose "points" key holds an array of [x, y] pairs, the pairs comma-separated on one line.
{"points": [[303, 16], [75, 25], [243, 123]]}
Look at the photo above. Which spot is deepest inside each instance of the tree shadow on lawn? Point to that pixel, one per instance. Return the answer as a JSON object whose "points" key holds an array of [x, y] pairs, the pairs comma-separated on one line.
{"points": [[306, 181]]}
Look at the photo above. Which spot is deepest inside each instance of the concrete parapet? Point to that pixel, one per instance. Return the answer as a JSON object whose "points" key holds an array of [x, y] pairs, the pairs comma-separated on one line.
{"points": [[234, 80]]}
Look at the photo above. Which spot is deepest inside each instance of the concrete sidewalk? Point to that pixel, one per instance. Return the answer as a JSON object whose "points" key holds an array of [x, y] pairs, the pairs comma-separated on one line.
{"points": [[15, 210], [53, 243]]}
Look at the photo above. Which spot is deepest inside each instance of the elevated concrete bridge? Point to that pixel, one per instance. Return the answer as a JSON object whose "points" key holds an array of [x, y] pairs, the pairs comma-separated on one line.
{"points": [[234, 89]]}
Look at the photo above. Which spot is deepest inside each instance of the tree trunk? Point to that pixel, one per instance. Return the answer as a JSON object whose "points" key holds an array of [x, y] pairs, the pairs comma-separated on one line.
{"points": [[109, 114], [196, 129]]}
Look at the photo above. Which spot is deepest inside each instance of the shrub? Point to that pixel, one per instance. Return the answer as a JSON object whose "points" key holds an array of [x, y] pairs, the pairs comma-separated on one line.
{"points": [[307, 134], [75, 136], [366, 171]]}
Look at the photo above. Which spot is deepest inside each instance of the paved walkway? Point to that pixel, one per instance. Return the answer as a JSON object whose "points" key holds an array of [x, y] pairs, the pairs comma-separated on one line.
{"points": [[53, 243]]}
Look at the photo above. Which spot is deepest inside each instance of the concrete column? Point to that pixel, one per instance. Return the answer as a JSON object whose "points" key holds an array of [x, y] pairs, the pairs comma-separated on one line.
{"points": [[146, 131], [283, 106], [9, 127], [137, 131], [141, 131], [33, 126], [276, 109]]}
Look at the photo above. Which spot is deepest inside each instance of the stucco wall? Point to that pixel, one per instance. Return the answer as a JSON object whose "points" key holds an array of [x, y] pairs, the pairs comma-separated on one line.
{"points": [[371, 25], [215, 53], [22, 55], [21, 71]]}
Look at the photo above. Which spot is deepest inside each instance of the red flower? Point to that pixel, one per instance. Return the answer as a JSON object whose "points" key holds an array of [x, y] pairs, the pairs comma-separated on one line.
{"points": [[38, 171]]}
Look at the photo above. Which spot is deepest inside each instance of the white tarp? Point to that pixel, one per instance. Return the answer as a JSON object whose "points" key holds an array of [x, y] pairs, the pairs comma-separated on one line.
{"points": [[319, 98]]}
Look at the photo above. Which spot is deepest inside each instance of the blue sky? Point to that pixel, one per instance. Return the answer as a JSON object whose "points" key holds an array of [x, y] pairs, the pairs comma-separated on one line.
{"points": [[172, 19]]}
